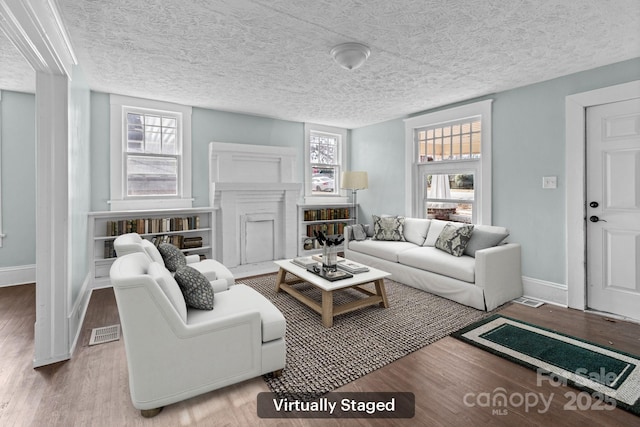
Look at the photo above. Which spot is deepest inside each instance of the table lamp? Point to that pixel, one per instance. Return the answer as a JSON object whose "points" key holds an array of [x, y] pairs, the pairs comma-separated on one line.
{"points": [[354, 181]]}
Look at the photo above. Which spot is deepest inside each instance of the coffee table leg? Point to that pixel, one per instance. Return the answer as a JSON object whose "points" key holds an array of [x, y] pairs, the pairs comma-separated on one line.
{"points": [[327, 309], [280, 278], [382, 292]]}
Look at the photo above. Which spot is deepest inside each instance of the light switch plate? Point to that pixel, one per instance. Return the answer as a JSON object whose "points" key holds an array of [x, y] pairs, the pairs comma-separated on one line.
{"points": [[549, 182]]}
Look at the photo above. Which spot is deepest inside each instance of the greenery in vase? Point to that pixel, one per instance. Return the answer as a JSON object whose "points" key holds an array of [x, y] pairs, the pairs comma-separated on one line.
{"points": [[329, 241]]}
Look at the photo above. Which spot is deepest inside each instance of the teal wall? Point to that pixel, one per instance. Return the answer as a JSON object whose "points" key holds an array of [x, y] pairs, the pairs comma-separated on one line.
{"points": [[528, 143], [218, 126], [206, 126], [18, 144], [379, 150], [100, 154]]}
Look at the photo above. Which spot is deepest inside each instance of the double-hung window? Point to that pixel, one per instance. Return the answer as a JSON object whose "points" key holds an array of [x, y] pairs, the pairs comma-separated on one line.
{"points": [[325, 151], [451, 156], [150, 154]]}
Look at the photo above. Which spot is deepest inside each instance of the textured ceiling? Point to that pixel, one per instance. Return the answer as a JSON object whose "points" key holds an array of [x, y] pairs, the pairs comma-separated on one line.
{"points": [[271, 57], [15, 72]]}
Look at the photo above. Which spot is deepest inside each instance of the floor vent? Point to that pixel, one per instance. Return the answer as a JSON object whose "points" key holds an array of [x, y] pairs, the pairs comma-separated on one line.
{"points": [[105, 334], [530, 302]]}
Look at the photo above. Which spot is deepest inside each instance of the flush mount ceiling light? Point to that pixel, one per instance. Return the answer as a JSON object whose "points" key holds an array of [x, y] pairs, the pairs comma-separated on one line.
{"points": [[350, 55]]}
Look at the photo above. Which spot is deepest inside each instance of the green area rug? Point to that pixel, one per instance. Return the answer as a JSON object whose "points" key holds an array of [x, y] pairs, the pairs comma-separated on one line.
{"points": [[579, 363]]}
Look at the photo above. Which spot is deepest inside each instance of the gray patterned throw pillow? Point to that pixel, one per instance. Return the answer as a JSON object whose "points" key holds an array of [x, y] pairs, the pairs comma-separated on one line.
{"points": [[196, 289], [388, 228], [454, 239], [173, 257]]}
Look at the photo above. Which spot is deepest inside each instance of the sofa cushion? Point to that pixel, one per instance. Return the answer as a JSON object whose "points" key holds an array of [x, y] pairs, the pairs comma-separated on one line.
{"points": [[483, 237], [170, 288], [388, 250], [173, 257], [243, 298], [415, 230], [435, 228], [453, 240], [152, 251], [359, 232], [440, 262], [388, 228], [208, 268], [196, 289]]}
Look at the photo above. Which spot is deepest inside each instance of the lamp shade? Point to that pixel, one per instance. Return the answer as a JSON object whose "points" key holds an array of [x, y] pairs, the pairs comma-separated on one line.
{"points": [[354, 180]]}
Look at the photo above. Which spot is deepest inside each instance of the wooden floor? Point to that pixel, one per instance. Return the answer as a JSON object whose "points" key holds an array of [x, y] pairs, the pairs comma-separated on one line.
{"points": [[446, 377]]}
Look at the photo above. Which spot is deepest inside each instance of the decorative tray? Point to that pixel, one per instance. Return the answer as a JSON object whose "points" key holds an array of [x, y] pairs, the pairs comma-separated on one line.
{"points": [[331, 276]]}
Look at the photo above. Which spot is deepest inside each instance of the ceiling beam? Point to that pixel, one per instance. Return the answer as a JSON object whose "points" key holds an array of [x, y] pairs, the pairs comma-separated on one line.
{"points": [[36, 29]]}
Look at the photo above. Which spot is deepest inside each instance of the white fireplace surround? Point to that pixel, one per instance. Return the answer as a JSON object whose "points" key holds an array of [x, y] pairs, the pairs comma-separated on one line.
{"points": [[254, 191]]}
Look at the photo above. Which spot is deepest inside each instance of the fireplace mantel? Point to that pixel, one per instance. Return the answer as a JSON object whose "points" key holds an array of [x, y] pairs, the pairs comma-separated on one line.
{"points": [[253, 188]]}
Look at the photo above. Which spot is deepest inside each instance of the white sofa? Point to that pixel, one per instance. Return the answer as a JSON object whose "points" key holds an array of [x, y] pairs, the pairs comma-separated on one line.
{"points": [[175, 352], [218, 275], [483, 278]]}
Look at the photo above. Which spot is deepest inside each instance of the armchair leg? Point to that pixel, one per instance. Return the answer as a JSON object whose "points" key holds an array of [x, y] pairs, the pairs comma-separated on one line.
{"points": [[150, 413], [277, 374]]}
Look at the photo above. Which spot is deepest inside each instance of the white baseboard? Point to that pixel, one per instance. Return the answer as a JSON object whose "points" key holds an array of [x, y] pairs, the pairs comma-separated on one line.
{"points": [[39, 363], [19, 275], [78, 312], [549, 292]]}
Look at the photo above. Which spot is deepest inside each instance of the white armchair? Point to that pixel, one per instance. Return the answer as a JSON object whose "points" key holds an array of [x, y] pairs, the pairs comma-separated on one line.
{"points": [[174, 352], [219, 275]]}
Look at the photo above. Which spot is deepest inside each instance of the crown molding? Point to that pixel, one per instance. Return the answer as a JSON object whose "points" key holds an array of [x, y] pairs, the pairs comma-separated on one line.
{"points": [[36, 29]]}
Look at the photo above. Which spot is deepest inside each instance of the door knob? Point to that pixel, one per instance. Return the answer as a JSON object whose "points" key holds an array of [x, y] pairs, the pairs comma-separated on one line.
{"points": [[594, 218], [594, 204]]}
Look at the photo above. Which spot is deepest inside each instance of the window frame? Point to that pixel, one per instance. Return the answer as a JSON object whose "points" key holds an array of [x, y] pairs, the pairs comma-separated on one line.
{"points": [[120, 200], [481, 167], [339, 196]]}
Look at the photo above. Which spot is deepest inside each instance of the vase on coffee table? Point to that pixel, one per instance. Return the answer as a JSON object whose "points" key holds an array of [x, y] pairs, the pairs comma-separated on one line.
{"points": [[329, 258], [329, 250]]}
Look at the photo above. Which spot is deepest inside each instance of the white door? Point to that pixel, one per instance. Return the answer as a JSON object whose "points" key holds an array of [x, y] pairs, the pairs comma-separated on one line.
{"points": [[613, 208]]}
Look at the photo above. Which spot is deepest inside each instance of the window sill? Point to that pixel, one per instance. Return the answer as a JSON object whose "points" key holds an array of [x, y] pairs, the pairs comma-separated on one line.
{"points": [[147, 204], [325, 200]]}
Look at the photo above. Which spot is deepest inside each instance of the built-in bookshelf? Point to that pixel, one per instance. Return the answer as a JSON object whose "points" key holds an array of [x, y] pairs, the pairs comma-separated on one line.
{"points": [[330, 219], [191, 230]]}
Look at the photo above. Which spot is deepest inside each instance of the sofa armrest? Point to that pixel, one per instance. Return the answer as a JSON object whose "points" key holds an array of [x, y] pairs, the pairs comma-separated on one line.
{"points": [[219, 285], [499, 273], [213, 325], [192, 258], [348, 234]]}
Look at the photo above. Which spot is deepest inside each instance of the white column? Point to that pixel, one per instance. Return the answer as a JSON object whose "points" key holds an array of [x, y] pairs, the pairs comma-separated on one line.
{"points": [[35, 28], [51, 328]]}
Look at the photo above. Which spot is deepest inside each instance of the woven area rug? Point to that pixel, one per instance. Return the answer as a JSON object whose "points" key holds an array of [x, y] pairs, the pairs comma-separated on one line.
{"points": [[582, 364], [320, 359]]}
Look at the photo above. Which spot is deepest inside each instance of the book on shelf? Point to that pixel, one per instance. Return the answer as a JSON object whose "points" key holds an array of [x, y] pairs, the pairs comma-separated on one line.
{"points": [[176, 240], [304, 262], [327, 214], [109, 250], [191, 242], [330, 229], [152, 225], [353, 267]]}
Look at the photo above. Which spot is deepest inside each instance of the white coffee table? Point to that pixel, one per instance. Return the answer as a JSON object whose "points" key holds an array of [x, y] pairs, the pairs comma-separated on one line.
{"points": [[326, 307]]}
